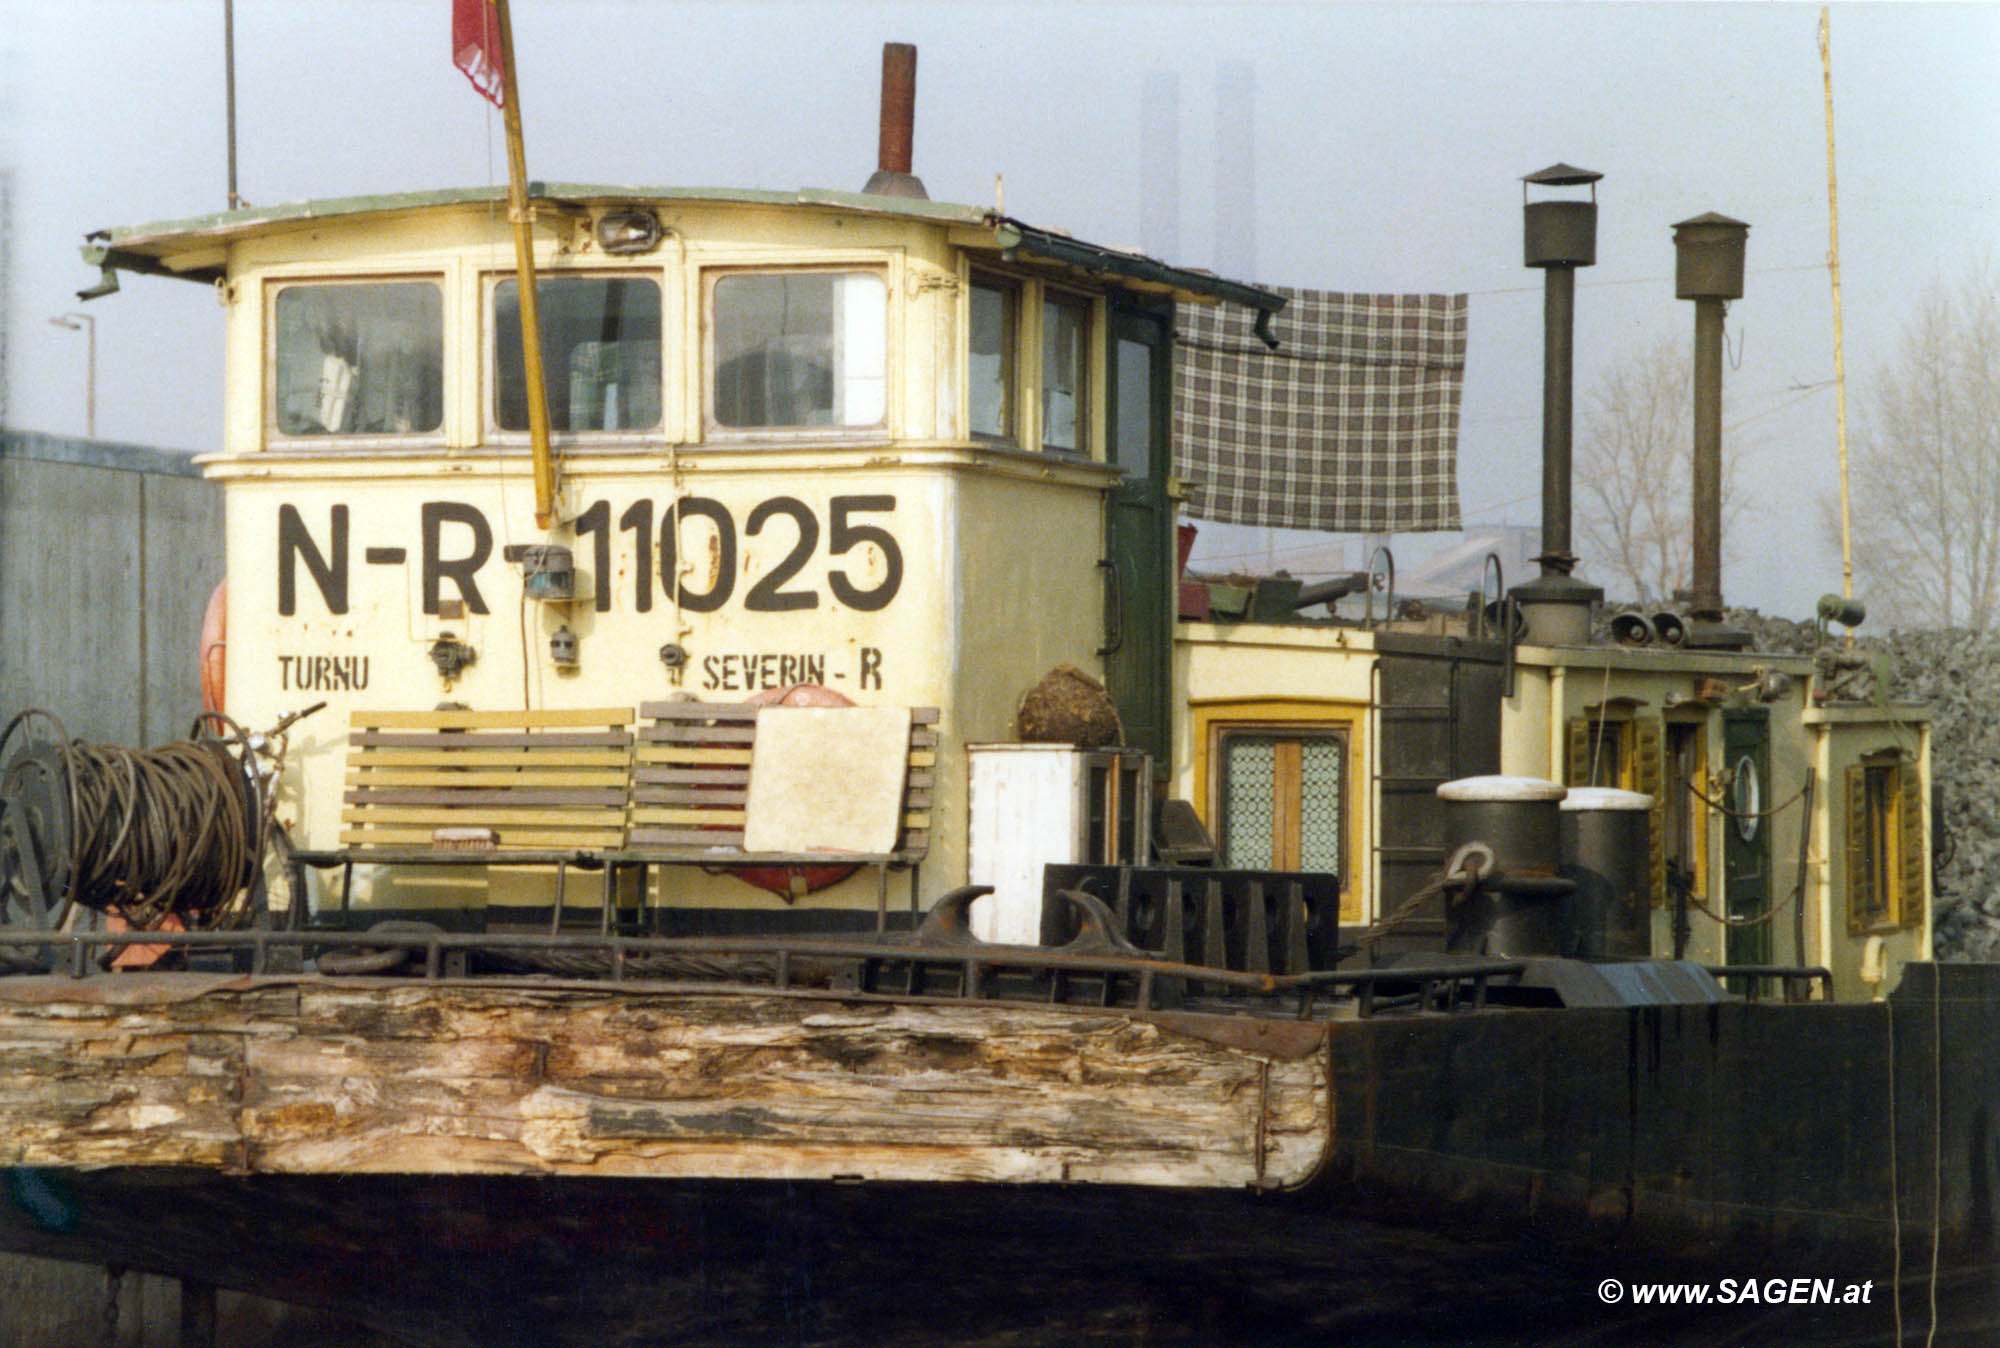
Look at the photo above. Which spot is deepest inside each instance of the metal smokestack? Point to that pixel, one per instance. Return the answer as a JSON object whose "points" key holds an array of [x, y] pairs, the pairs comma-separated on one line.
{"points": [[1559, 235], [892, 177], [1708, 269]]}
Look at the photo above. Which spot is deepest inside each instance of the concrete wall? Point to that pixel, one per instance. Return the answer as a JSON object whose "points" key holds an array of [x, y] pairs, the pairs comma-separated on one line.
{"points": [[107, 557]]}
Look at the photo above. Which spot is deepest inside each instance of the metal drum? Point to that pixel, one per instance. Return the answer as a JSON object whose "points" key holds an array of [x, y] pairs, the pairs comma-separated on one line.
{"points": [[1606, 851], [1517, 910]]}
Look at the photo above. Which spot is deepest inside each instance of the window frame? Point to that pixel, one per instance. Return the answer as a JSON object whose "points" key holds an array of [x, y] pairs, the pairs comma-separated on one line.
{"points": [[1346, 722], [713, 430], [490, 282], [1051, 296], [1015, 291], [1885, 842], [275, 436]]}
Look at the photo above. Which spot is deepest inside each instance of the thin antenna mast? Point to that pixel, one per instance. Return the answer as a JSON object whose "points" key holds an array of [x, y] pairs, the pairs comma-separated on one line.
{"points": [[1839, 349], [229, 85]]}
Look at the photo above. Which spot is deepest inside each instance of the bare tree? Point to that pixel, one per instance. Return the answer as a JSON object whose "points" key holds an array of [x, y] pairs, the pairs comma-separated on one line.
{"points": [[1925, 470], [1635, 474]]}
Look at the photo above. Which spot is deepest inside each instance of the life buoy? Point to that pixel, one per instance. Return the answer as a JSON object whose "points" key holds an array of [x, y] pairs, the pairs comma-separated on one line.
{"points": [[214, 646], [789, 882]]}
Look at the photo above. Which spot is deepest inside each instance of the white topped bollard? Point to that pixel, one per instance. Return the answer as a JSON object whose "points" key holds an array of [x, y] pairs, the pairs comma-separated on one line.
{"points": [[1516, 910], [1605, 850]]}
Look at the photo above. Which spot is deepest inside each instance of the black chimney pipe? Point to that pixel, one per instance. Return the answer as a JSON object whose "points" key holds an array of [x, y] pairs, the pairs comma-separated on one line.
{"points": [[1559, 236], [1708, 269]]}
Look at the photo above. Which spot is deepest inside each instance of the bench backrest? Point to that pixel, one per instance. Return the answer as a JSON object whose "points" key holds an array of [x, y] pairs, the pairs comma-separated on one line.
{"points": [[691, 778], [536, 780]]}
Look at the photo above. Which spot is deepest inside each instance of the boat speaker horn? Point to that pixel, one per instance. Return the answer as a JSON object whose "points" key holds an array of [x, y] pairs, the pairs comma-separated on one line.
{"points": [[1671, 628], [1632, 628]]}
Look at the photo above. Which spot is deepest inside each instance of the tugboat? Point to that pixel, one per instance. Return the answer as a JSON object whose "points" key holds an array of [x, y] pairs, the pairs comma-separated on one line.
{"points": [[799, 858]]}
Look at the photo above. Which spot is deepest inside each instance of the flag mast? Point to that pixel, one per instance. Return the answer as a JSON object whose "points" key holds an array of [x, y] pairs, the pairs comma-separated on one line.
{"points": [[521, 214]]}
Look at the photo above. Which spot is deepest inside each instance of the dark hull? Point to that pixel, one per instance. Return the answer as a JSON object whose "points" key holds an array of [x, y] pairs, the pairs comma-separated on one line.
{"points": [[1486, 1172]]}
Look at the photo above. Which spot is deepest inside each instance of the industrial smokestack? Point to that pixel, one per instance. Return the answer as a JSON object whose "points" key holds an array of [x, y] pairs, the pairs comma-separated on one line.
{"points": [[1160, 165], [1236, 170], [892, 177], [1559, 236], [1708, 269]]}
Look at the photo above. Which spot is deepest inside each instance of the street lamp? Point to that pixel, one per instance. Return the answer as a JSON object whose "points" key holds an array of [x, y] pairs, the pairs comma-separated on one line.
{"points": [[88, 324]]}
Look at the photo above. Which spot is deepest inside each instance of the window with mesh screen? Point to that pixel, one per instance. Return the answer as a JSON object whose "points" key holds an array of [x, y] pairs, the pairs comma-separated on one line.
{"points": [[1284, 800]]}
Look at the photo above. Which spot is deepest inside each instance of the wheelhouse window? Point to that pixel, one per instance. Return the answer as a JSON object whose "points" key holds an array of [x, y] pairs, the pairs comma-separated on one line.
{"points": [[995, 318], [360, 358], [1283, 799], [799, 349], [1065, 372], [600, 353]]}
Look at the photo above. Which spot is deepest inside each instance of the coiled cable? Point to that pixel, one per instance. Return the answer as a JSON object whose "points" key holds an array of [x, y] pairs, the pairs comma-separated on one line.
{"points": [[174, 830]]}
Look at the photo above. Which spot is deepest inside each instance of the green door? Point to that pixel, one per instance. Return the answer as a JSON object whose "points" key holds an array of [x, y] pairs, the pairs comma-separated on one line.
{"points": [[1139, 543], [1746, 838]]}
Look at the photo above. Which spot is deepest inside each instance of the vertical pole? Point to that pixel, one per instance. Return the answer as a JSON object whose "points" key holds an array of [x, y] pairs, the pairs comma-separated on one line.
{"points": [[1839, 351], [1706, 564], [1558, 338], [229, 86], [522, 218]]}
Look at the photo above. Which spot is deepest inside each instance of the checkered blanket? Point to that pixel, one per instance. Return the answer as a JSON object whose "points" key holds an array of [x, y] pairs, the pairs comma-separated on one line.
{"points": [[1350, 426]]}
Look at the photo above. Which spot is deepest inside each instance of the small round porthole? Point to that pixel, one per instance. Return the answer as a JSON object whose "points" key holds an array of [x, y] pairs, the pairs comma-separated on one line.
{"points": [[1747, 800]]}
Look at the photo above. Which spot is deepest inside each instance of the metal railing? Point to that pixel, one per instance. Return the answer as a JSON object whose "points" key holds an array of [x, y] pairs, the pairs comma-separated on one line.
{"points": [[865, 965]]}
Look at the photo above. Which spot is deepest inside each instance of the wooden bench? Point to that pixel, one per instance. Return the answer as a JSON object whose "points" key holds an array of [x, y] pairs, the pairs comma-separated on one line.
{"points": [[690, 798], [580, 788], [442, 788]]}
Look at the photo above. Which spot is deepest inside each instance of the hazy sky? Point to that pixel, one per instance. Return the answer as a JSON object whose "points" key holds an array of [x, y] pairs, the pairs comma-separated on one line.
{"points": [[1389, 144]]}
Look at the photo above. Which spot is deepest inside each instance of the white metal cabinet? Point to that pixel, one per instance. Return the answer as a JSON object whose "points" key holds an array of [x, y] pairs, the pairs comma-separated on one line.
{"points": [[1034, 804]]}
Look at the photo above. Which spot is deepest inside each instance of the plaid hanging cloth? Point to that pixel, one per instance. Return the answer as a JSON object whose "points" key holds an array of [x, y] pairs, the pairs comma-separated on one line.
{"points": [[1350, 426]]}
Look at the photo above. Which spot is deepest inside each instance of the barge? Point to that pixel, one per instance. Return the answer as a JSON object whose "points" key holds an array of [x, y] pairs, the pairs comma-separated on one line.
{"points": [[830, 874]]}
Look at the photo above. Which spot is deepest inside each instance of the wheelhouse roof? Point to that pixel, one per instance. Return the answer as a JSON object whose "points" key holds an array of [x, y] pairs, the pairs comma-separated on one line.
{"points": [[191, 248]]}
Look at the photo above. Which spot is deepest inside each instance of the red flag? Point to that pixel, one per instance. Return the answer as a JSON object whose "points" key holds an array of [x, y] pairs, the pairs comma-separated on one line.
{"points": [[475, 47]]}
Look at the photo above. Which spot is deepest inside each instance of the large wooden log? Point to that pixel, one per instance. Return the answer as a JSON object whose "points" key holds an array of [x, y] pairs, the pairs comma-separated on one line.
{"points": [[316, 1076]]}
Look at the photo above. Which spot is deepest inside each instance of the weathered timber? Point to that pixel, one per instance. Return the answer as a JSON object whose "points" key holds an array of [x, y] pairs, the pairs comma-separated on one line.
{"points": [[316, 1076]]}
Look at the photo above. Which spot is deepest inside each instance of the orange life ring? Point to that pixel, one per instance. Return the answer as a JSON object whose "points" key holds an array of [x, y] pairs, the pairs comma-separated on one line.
{"points": [[214, 647], [789, 882]]}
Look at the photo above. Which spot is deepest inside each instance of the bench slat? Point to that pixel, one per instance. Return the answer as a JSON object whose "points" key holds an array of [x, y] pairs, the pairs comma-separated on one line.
{"points": [[650, 753], [733, 794], [494, 816], [524, 837], [364, 718], [680, 733], [497, 758], [488, 739], [706, 711], [475, 777], [482, 795], [722, 839]]}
